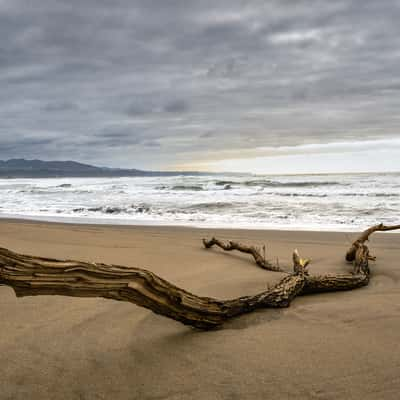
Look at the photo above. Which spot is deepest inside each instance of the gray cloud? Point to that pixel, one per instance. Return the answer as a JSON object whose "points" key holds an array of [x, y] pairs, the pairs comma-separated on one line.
{"points": [[176, 106], [31, 144], [152, 83]]}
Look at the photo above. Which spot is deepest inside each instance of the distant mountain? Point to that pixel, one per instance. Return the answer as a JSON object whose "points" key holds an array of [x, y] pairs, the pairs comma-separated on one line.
{"points": [[21, 168]]}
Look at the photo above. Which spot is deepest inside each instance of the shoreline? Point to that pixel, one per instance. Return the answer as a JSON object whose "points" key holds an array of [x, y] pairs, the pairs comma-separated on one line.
{"points": [[143, 224]]}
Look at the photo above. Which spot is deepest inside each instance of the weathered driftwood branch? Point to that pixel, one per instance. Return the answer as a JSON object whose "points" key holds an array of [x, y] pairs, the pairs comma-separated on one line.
{"points": [[29, 275], [359, 242], [312, 284], [229, 246]]}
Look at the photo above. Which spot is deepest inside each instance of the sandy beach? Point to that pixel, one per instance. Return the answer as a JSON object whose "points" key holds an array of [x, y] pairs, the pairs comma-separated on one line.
{"points": [[339, 345]]}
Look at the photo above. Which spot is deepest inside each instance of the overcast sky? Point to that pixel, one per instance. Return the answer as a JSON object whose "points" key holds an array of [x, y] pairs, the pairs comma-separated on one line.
{"points": [[268, 86]]}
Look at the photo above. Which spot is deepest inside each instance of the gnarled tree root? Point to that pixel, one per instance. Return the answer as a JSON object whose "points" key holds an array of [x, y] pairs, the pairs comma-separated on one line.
{"points": [[29, 275]]}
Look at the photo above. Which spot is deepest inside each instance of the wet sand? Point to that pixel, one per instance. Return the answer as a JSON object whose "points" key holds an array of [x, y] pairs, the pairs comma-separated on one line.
{"points": [[340, 345]]}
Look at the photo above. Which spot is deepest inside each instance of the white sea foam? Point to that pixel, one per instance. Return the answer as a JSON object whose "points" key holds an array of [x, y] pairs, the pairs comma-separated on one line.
{"points": [[322, 202]]}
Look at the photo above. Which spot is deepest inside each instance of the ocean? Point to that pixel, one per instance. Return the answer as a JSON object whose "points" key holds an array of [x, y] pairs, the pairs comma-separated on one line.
{"points": [[309, 202]]}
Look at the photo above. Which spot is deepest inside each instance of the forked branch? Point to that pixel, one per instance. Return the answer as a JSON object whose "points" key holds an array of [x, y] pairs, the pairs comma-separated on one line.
{"points": [[359, 254], [29, 275]]}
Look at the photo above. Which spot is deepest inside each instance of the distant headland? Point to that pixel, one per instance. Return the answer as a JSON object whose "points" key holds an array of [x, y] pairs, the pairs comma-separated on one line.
{"points": [[23, 168]]}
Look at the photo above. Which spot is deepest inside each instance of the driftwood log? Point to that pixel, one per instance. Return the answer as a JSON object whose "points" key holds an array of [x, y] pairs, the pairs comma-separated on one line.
{"points": [[30, 275]]}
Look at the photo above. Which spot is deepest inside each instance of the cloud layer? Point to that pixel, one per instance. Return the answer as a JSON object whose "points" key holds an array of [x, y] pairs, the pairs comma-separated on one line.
{"points": [[158, 84]]}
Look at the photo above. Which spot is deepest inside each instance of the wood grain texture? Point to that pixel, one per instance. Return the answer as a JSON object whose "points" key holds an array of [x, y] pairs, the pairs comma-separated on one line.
{"points": [[30, 275]]}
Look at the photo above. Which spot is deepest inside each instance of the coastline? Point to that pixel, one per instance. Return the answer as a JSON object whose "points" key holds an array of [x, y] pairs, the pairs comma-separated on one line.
{"points": [[123, 222], [305, 203], [323, 346]]}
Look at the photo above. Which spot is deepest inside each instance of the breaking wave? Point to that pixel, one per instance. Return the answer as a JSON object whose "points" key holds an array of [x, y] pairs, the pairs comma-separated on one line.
{"points": [[269, 183], [131, 209], [313, 201], [219, 205], [180, 187]]}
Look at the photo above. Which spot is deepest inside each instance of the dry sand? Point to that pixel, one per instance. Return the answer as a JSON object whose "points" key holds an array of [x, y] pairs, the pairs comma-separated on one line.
{"points": [[339, 345]]}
